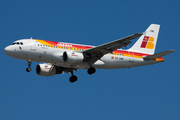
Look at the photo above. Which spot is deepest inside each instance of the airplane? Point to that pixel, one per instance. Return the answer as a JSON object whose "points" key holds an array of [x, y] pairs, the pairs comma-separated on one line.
{"points": [[60, 57]]}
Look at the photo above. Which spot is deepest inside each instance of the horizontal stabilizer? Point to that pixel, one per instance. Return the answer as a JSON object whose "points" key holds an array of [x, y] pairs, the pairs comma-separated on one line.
{"points": [[158, 55]]}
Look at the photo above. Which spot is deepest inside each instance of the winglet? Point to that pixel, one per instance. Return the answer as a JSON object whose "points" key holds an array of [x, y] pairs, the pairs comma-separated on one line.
{"points": [[151, 57]]}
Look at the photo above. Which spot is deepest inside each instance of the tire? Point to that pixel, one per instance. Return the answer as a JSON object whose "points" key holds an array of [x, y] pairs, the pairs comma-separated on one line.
{"points": [[28, 69], [73, 78], [91, 70]]}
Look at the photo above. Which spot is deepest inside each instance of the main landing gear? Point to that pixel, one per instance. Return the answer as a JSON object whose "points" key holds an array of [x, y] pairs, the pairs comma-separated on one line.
{"points": [[91, 70], [29, 66], [73, 78]]}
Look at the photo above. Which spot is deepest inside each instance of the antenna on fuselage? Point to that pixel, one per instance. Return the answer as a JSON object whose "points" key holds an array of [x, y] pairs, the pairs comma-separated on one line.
{"points": [[31, 38]]}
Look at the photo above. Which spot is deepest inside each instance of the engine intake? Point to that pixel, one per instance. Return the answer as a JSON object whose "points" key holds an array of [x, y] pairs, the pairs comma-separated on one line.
{"points": [[45, 70]]}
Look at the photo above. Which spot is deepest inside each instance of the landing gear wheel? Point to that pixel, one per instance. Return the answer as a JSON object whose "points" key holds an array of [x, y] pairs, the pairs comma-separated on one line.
{"points": [[28, 69], [73, 78], [91, 70]]}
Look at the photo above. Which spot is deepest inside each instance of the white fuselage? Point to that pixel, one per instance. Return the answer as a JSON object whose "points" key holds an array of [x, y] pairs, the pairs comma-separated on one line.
{"points": [[34, 51]]}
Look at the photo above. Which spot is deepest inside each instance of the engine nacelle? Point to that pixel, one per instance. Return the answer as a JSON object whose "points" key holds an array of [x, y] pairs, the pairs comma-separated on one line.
{"points": [[45, 70], [73, 57]]}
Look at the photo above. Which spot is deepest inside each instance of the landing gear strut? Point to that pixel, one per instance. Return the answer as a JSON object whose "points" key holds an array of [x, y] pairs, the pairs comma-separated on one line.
{"points": [[29, 66], [91, 70]]}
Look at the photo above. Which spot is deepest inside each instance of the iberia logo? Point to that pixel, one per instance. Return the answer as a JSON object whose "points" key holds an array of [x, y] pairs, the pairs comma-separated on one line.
{"points": [[147, 42], [64, 45]]}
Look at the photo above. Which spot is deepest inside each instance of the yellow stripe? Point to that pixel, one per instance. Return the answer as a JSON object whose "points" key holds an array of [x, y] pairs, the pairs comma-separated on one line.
{"points": [[42, 42], [138, 56], [159, 60]]}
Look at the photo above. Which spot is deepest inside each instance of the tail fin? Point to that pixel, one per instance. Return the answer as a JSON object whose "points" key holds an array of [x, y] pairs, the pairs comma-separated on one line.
{"points": [[147, 42]]}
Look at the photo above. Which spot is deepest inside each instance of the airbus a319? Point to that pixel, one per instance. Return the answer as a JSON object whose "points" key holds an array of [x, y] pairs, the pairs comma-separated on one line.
{"points": [[60, 57]]}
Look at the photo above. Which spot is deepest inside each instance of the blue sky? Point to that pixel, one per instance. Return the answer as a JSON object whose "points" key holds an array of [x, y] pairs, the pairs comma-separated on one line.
{"points": [[141, 93]]}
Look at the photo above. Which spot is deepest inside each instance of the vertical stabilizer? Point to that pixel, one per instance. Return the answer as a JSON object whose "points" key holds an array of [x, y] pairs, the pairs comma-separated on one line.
{"points": [[147, 42]]}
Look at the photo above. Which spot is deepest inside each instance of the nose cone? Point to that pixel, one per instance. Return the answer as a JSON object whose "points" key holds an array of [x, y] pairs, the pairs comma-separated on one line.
{"points": [[7, 50]]}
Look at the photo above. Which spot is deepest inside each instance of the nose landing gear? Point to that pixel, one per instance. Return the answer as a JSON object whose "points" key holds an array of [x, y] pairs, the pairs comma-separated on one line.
{"points": [[29, 66]]}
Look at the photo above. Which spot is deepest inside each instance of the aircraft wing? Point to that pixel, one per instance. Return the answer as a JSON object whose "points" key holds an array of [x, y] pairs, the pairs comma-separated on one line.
{"points": [[99, 51]]}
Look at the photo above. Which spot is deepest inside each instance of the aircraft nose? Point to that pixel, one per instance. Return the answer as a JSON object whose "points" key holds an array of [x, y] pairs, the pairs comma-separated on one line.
{"points": [[7, 50]]}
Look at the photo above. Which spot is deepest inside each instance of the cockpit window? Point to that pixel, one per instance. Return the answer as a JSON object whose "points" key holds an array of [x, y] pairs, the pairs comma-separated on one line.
{"points": [[17, 43]]}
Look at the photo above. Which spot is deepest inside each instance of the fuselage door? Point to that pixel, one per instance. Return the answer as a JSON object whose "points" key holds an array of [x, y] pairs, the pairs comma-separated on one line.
{"points": [[32, 45]]}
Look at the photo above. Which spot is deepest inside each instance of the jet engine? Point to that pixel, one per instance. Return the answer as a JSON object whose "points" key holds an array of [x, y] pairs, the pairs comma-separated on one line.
{"points": [[45, 70], [73, 57]]}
